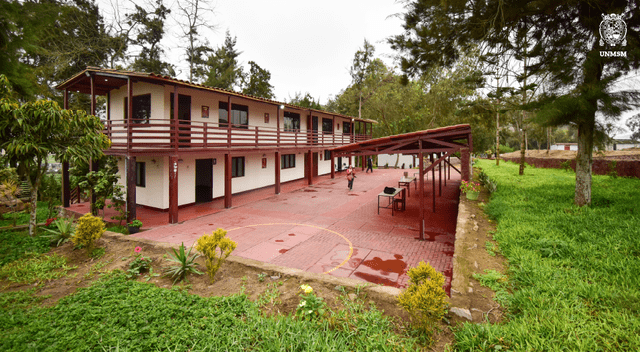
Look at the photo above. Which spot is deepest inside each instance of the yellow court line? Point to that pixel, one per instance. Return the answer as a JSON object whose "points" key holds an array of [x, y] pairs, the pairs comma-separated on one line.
{"points": [[317, 227]]}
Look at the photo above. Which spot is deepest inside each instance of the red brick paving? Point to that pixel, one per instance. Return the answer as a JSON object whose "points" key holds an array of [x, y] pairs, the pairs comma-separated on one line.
{"points": [[294, 227]]}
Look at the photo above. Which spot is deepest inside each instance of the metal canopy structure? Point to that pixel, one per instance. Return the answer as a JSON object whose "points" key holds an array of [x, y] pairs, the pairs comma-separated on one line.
{"points": [[439, 144]]}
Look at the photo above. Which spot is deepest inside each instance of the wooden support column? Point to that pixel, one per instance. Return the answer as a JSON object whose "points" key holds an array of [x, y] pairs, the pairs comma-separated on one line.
{"points": [[66, 185], [130, 171], [440, 176], [227, 180], [309, 167], [173, 189], [421, 185], [465, 164], [333, 166], [277, 171], [363, 162], [433, 182]]}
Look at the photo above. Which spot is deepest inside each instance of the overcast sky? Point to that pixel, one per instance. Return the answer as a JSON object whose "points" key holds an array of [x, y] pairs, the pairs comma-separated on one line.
{"points": [[307, 46]]}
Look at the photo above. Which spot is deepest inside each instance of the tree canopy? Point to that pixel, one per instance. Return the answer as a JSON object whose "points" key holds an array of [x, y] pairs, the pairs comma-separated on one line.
{"points": [[560, 41], [31, 132]]}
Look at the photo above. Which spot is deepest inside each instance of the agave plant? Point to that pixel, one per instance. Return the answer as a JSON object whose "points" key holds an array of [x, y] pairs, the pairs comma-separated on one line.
{"points": [[185, 263], [63, 231]]}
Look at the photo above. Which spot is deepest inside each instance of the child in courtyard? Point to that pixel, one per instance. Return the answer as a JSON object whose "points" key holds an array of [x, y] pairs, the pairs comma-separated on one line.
{"points": [[351, 174]]}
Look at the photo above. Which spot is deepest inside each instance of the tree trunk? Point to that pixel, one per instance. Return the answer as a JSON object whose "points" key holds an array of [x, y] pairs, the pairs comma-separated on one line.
{"points": [[584, 161], [522, 149], [33, 200], [497, 138]]}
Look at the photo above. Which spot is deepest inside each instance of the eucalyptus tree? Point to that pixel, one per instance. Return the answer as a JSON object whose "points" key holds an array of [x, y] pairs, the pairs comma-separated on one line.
{"points": [[31, 132], [195, 16], [564, 44]]}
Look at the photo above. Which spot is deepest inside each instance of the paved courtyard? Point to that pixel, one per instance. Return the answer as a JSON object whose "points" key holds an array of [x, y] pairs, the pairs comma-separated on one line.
{"points": [[326, 228]]}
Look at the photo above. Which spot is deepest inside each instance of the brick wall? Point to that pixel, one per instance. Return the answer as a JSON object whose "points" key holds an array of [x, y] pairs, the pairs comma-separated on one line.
{"points": [[625, 168]]}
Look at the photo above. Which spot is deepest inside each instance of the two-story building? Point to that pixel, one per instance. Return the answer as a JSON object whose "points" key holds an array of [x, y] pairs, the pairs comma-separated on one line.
{"points": [[179, 143]]}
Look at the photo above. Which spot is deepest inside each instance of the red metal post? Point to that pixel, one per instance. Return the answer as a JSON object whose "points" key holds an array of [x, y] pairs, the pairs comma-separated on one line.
{"points": [[309, 167], [333, 166], [173, 189], [227, 180], [277, 171], [130, 169], [433, 183], [421, 183]]}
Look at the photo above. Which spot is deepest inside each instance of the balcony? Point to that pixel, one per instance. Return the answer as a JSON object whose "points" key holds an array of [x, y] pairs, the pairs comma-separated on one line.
{"points": [[171, 136]]}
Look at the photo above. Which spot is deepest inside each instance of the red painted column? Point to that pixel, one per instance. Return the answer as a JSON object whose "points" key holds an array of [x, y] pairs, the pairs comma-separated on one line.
{"points": [[130, 170], [309, 167], [363, 162], [333, 166], [421, 185], [465, 164], [173, 189], [227, 180], [433, 183], [66, 185], [440, 176], [277, 171]]}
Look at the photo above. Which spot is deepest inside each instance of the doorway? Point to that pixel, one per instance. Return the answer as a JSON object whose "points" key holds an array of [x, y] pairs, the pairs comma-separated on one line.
{"points": [[184, 117], [204, 180]]}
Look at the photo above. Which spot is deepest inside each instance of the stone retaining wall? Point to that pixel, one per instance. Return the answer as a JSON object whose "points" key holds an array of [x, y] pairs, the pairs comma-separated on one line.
{"points": [[624, 168]]}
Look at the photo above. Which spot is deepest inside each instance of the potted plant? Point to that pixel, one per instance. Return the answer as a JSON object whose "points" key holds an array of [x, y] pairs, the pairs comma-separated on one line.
{"points": [[472, 189], [134, 226]]}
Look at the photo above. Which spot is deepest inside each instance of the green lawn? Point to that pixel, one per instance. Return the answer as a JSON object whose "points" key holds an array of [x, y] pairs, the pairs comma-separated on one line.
{"points": [[573, 273]]}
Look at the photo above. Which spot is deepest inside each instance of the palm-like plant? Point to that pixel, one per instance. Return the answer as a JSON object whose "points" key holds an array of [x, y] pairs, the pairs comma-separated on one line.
{"points": [[185, 263], [63, 231]]}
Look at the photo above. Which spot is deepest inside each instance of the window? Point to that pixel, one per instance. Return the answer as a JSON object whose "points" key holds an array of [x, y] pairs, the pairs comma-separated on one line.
{"points": [[288, 161], [327, 155], [239, 115], [327, 125], [141, 108], [291, 122], [346, 127], [237, 166], [141, 177]]}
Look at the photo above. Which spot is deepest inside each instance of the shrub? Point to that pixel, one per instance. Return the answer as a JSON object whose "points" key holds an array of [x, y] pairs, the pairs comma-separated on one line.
{"points": [[211, 245], [63, 231], [138, 265], [185, 263], [424, 299], [88, 230]]}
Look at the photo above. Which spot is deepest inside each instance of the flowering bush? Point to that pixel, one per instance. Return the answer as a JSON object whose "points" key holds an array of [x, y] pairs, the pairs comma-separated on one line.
{"points": [[424, 299], [215, 248], [139, 265], [469, 186], [311, 306], [88, 230]]}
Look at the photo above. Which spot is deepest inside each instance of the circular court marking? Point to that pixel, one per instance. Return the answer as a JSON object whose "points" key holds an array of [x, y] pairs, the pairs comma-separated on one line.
{"points": [[317, 227]]}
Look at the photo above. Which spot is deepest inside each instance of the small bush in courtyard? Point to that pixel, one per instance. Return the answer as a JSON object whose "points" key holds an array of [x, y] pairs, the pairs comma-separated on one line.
{"points": [[185, 263], [215, 248], [88, 230], [424, 299]]}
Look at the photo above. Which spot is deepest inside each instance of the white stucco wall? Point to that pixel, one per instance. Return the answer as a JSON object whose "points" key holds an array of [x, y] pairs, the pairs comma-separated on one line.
{"points": [[391, 160]]}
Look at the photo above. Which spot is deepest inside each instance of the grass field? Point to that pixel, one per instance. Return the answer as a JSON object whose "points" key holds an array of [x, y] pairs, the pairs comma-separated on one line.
{"points": [[573, 277]]}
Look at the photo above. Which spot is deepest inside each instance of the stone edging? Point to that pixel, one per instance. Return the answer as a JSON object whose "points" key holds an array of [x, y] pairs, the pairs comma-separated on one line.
{"points": [[383, 293]]}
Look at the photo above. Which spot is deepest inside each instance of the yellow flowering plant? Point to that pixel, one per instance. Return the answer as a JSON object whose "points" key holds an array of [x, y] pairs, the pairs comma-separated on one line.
{"points": [[311, 306]]}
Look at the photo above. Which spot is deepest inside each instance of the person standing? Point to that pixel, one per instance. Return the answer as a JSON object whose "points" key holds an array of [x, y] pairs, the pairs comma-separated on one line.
{"points": [[351, 174], [369, 165]]}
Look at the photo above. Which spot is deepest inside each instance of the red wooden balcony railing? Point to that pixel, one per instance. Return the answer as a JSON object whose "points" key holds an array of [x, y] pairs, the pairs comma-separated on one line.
{"points": [[169, 135]]}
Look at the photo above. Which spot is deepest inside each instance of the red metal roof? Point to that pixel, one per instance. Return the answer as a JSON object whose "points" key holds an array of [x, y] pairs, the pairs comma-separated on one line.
{"points": [[428, 141], [114, 79]]}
